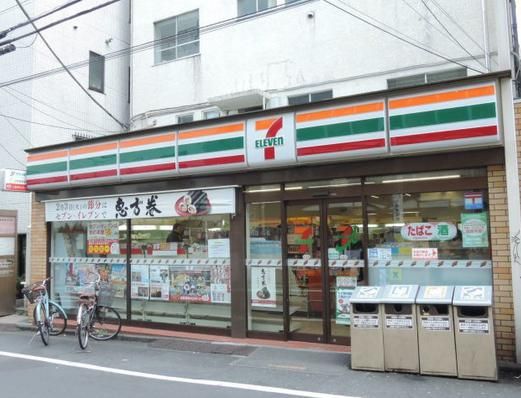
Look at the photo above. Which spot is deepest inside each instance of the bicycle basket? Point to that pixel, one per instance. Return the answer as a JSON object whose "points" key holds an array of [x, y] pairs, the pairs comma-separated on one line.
{"points": [[32, 292], [105, 294]]}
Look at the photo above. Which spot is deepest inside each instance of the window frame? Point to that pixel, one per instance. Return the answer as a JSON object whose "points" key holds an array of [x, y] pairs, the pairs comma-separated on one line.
{"points": [[158, 51], [309, 97], [94, 59], [257, 8]]}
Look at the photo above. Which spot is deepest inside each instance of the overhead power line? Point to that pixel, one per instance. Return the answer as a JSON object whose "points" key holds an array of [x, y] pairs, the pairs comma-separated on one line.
{"points": [[451, 35], [14, 6], [5, 32], [101, 129], [121, 124], [38, 30], [150, 44], [401, 38], [32, 106]]}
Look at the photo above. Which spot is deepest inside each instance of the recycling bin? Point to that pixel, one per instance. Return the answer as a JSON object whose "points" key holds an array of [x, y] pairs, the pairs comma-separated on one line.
{"points": [[474, 330], [400, 330], [437, 347], [367, 344]]}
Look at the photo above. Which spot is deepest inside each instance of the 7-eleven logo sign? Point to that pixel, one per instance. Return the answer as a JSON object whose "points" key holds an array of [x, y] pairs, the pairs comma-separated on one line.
{"points": [[271, 140]]}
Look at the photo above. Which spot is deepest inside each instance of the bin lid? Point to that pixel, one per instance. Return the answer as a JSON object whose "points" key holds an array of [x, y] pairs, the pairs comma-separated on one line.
{"points": [[367, 294], [435, 295], [404, 294], [473, 295]]}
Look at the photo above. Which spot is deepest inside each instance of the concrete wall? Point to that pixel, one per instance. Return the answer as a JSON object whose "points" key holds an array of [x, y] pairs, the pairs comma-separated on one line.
{"points": [[307, 47]]}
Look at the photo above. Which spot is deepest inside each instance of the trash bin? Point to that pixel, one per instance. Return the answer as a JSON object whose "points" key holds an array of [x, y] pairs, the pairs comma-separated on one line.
{"points": [[400, 331], [436, 343], [474, 330], [367, 345]]}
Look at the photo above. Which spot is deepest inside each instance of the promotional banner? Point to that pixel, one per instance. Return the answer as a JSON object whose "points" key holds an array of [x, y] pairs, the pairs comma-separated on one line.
{"points": [[189, 286], [149, 205], [139, 288], [474, 229], [221, 286], [345, 287], [119, 280], [429, 231], [103, 237], [263, 287], [159, 282]]}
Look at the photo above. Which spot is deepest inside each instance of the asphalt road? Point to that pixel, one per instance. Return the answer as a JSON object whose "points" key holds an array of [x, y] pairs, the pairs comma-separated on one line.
{"points": [[174, 368]]}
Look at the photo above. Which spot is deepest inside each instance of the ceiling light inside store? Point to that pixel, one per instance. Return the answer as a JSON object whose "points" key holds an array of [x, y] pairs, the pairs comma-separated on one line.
{"points": [[368, 225], [214, 229], [421, 179], [397, 224], [144, 227], [165, 228], [334, 185], [122, 227], [263, 190], [375, 197], [292, 188]]}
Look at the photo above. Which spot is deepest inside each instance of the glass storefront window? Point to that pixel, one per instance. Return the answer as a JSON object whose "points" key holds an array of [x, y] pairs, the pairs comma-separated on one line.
{"points": [[181, 270], [429, 238], [428, 176], [264, 267], [80, 248]]}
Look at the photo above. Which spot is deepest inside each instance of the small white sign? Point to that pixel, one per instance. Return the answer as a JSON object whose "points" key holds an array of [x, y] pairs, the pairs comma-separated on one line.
{"points": [[400, 292], [219, 248], [380, 253], [365, 321], [435, 292], [7, 246], [398, 322], [474, 326], [425, 253], [435, 323]]}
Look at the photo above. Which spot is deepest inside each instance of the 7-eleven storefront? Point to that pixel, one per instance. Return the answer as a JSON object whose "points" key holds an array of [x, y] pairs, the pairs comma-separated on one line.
{"points": [[262, 225]]}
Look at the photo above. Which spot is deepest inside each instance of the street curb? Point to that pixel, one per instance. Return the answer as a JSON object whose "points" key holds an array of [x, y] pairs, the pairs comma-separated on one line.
{"points": [[140, 338]]}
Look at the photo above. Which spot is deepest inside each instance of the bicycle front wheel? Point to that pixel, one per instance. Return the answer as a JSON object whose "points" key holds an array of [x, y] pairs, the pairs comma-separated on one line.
{"points": [[57, 319], [106, 323], [82, 329], [42, 323]]}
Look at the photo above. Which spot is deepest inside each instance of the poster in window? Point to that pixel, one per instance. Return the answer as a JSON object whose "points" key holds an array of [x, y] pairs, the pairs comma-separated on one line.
{"points": [[221, 291], [343, 307], [263, 287], [189, 286], [140, 282], [474, 229], [159, 282], [103, 237], [119, 279]]}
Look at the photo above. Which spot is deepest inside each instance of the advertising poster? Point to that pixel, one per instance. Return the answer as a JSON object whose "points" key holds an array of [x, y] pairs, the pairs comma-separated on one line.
{"points": [[159, 282], [103, 238], [119, 280], [189, 286], [221, 289], [139, 288], [474, 229], [263, 287], [343, 308]]}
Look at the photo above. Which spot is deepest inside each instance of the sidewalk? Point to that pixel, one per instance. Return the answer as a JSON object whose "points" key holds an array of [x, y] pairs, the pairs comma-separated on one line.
{"points": [[22, 322]]}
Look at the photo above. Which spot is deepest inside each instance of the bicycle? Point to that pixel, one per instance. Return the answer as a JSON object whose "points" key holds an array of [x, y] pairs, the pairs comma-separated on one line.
{"points": [[50, 318], [101, 322]]}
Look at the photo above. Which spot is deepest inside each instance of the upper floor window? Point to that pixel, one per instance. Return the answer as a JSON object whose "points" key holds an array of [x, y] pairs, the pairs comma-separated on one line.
{"points": [[310, 97], [245, 7], [177, 37], [96, 72], [186, 118], [430, 77], [211, 114]]}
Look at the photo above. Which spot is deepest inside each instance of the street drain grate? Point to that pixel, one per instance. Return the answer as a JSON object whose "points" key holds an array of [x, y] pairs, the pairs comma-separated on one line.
{"points": [[203, 347]]}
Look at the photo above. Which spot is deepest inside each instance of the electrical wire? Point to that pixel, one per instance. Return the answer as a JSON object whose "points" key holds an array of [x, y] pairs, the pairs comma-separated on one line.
{"points": [[60, 21], [388, 26], [401, 38], [121, 124], [4, 32], [12, 156], [32, 106], [152, 43], [38, 123], [451, 35], [18, 131], [15, 6], [29, 45], [457, 24], [57, 110]]}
